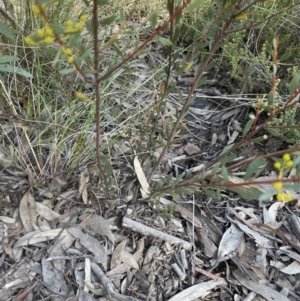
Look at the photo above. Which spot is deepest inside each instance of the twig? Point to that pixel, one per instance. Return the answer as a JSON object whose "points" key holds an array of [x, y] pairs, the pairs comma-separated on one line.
{"points": [[109, 287], [147, 231], [97, 94]]}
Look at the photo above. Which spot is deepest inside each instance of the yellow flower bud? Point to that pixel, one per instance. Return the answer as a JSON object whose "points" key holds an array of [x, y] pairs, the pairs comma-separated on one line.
{"points": [[79, 26], [289, 164], [286, 157], [278, 186], [49, 40], [69, 23], [36, 10], [30, 41], [70, 59], [67, 51], [277, 165], [48, 31], [40, 33], [83, 18]]}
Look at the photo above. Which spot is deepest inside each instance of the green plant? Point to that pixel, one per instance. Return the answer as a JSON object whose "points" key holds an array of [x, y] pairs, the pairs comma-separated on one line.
{"points": [[89, 90]]}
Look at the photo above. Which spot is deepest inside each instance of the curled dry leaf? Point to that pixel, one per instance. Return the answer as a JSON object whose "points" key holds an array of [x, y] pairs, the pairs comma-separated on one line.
{"points": [[116, 257], [83, 181], [27, 211], [230, 243], [129, 259], [101, 226], [145, 188]]}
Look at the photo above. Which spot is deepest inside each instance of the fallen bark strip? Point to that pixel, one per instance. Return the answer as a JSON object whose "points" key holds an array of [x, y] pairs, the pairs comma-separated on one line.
{"points": [[147, 231], [111, 294], [199, 290]]}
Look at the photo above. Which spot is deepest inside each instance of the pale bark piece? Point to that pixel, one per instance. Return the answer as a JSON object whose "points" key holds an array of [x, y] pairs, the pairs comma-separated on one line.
{"points": [[92, 244], [230, 243], [46, 213], [292, 269], [198, 291], [83, 181], [263, 290], [145, 188], [270, 215], [101, 226], [55, 280], [145, 230], [27, 211], [191, 149], [88, 275]]}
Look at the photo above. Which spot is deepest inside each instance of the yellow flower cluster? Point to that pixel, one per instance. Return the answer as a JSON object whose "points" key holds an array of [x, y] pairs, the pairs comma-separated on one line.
{"points": [[72, 27], [43, 36], [286, 163], [68, 53]]}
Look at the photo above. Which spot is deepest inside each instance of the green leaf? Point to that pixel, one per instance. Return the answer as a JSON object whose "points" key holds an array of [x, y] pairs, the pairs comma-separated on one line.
{"points": [[247, 127], [249, 193], [266, 196], [102, 2], [153, 20], [109, 20], [286, 55], [270, 99], [8, 59], [273, 132], [15, 70], [257, 139], [164, 41], [225, 173], [226, 148], [293, 187], [202, 82], [194, 5], [252, 168], [66, 71], [5, 31]]}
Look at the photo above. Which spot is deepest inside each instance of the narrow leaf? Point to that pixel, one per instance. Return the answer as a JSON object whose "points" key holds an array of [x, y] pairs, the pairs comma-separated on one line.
{"points": [[5, 31], [253, 167], [8, 59], [15, 70], [247, 127], [27, 211]]}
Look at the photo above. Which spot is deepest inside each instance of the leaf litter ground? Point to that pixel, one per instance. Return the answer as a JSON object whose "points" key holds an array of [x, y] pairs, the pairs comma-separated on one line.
{"points": [[66, 241]]}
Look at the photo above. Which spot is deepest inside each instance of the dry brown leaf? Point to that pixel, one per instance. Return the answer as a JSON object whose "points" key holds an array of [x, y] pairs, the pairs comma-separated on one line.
{"points": [[270, 215], [145, 188], [101, 226], [120, 269], [83, 181], [46, 212], [54, 279], [230, 242], [27, 211], [40, 236], [265, 291], [116, 256], [129, 259], [92, 244]]}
